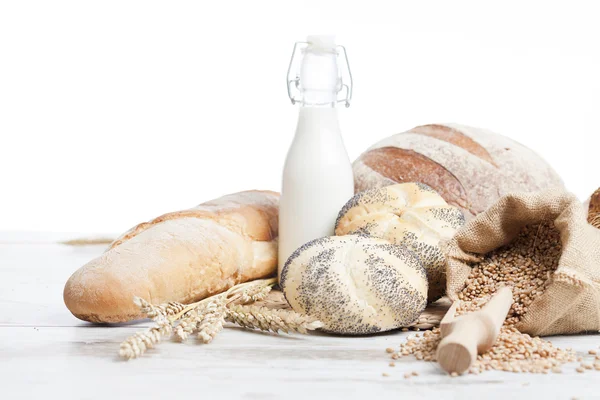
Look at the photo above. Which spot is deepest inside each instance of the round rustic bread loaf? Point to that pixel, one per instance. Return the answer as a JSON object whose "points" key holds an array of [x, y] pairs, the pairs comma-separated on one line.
{"points": [[411, 214], [469, 167], [592, 207], [355, 284]]}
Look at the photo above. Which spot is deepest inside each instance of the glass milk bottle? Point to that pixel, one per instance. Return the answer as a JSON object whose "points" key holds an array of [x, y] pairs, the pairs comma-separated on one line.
{"points": [[317, 176]]}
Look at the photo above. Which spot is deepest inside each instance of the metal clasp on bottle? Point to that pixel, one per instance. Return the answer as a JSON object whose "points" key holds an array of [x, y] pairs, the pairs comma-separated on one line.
{"points": [[344, 90]]}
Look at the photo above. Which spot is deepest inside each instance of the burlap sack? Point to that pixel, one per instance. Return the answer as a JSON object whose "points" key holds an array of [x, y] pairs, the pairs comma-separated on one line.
{"points": [[571, 303]]}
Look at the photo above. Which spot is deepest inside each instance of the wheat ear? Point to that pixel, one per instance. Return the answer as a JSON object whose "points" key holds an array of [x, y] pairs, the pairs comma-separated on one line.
{"points": [[254, 293], [212, 321], [187, 325], [152, 311], [233, 293], [206, 317], [137, 344], [266, 319]]}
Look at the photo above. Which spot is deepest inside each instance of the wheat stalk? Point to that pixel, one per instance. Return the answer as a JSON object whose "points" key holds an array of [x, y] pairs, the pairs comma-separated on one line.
{"points": [[266, 319], [254, 293], [212, 321], [187, 326], [152, 311], [137, 344], [206, 318]]}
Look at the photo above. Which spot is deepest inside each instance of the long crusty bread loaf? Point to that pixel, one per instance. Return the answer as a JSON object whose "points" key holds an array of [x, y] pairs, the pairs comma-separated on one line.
{"points": [[182, 256]]}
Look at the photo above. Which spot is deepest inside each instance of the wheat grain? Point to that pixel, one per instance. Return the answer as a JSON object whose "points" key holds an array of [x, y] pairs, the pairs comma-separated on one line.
{"points": [[206, 318], [213, 318], [152, 311], [525, 265], [137, 344], [253, 294], [187, 326], [171, 308], [265, 319]]}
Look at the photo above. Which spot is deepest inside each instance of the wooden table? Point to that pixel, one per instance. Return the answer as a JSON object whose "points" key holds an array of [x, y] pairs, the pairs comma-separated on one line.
{"points": [[45, 352]]}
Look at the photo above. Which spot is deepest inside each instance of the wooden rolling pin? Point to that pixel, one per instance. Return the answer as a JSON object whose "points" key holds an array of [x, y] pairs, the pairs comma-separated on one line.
{"points": [[475, 333]]}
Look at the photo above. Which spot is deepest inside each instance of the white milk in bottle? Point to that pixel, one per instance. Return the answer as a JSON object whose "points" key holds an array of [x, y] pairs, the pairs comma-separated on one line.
{"points": [[317, 176]]}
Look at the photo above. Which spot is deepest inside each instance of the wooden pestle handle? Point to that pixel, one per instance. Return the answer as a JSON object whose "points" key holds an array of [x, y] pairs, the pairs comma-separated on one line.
{"points": [[466, 336]]}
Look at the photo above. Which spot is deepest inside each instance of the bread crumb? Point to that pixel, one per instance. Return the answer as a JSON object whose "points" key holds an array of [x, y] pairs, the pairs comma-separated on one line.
{"points": [[384, 374], [454, 374], [586, 366], [415, 373], [580, 370], [407, 375], [389, 350], [392, 364], [593, 352]]}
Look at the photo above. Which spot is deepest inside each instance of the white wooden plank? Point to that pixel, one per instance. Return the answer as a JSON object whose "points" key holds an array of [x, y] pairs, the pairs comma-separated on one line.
{"points": [[32, 278], [25, 237], [82, 363], [44, 351]]}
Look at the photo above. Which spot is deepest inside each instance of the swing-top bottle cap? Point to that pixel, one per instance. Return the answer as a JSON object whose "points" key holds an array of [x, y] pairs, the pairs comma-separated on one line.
{"points": [[321, 42], [319, 74]]}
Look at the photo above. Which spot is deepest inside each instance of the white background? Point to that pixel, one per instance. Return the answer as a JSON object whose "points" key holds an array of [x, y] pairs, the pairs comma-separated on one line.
{"points": [[114, 112]]}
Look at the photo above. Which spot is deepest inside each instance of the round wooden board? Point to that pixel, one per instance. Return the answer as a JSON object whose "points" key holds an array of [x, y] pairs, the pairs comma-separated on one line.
{"points": [[429, 319]]}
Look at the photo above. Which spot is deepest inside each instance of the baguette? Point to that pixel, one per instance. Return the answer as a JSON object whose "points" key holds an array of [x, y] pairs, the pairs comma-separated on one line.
{"points": [[182, 256]]}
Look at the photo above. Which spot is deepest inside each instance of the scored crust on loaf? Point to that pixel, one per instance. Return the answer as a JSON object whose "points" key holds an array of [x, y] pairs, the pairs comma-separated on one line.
{"points": [[455, 137], [183, 256], [355, 284], [470, 167], [399, 166]]}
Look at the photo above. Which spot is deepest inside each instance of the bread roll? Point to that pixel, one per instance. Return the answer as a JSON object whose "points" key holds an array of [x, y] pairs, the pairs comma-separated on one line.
{"points": [[182, 256], [411, 214], [355, 284], [469, 167]]}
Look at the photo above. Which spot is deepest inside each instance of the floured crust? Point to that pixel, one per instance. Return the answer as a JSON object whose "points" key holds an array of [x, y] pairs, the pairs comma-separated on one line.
{"points": [[455, 137], [238, 211], [400, 165], [183, 256], [470, 167]]}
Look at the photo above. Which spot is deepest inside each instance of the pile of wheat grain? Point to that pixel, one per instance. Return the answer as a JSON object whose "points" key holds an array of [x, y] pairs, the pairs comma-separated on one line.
{"points": [[526, 265]]}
